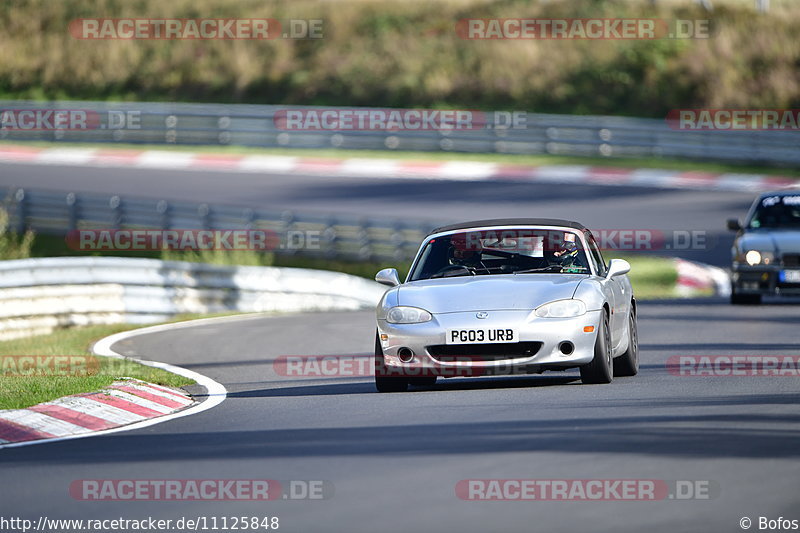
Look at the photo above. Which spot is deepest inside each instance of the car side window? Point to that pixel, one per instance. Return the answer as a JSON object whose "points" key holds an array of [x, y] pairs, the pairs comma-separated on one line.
{"points": [[596, 255]]}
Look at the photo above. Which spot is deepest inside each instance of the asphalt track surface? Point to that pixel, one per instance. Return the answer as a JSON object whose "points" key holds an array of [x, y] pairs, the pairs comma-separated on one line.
{"points": [[394, 459]]}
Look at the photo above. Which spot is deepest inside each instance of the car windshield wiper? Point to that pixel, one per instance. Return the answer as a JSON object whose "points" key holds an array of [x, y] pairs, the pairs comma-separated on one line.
{"points": [[551, 268]]}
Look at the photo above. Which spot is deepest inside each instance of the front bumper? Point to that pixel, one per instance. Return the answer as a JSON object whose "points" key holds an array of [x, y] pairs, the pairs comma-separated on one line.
{"points": [[539, 347], [762, 279]]}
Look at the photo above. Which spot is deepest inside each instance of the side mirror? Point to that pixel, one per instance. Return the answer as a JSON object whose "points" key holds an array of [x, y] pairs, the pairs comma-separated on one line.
{"points": [[734, 224], [617, 267], [388, 276]]}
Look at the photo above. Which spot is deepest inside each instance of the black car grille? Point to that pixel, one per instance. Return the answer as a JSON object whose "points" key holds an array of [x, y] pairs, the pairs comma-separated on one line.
{"points": [[791, 260], [448, 353]]}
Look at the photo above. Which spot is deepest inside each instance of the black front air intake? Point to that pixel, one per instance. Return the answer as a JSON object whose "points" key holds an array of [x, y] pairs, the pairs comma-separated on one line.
{"points": [[486, 352]]}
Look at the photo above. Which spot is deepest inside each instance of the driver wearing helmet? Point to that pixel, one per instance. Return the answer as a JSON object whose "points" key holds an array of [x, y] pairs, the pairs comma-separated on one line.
{"points": [[567, 254]]}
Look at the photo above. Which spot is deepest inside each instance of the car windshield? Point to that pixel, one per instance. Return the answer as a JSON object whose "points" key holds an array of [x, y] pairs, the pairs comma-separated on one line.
{"points": [[501, 251], [777, 212]]}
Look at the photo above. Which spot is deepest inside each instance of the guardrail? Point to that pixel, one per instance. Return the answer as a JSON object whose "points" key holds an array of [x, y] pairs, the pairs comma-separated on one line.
{"points": [[38, 296], [342, 237], [255, 125]]}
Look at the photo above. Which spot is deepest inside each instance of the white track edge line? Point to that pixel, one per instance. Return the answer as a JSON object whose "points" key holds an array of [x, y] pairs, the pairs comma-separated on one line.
{"points": [[216, 392]]}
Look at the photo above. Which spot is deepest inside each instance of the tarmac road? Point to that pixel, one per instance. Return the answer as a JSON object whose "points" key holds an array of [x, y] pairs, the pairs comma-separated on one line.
{"points": [[393, 460]]}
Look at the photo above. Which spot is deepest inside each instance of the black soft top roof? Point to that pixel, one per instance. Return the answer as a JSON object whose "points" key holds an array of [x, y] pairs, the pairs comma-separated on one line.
{"points": [[511, 222]]}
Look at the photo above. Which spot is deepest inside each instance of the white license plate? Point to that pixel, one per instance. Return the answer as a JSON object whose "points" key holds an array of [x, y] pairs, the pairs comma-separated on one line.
{"points": [[481, 336], [791, 276]]}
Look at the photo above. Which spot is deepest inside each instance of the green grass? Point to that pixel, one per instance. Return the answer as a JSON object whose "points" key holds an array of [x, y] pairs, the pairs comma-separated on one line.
{"points": [[17, 392], [12, 245], [652, 277], [506, 159]]}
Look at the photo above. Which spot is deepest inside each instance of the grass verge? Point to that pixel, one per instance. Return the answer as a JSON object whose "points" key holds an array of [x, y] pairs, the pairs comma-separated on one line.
{"points": [[17, 392], [652, 277]]}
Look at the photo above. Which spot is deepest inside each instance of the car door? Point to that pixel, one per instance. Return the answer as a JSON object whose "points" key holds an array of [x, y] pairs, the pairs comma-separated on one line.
{"points": [[616, 290]]}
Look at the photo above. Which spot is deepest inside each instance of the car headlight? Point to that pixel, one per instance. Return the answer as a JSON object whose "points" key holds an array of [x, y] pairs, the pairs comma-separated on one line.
{"points": [[407, 315], [561, 309], [754, 257]]}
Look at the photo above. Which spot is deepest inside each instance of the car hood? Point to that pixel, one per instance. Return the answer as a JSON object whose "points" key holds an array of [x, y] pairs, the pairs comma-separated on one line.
{"points": [[767, 241], [485, 293]]}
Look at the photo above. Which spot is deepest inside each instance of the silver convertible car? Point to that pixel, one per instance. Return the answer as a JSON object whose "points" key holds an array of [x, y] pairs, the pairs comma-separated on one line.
{"points": [[500, 297]]}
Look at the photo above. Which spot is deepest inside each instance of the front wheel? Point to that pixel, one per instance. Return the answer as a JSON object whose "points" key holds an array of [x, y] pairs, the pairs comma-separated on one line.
{"points": [[601, 369], [627, 364], [382, 382]]}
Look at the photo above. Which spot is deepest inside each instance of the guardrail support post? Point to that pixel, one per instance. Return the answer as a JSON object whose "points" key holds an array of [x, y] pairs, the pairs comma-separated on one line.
{"points": [[162, 208], [72, 211], [365, 248], [205, 216], [287, 219], [20, 208], [116, 211], [329, 238]]}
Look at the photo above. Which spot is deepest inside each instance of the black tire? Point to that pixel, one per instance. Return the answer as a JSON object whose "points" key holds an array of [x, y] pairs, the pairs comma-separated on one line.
{"points": [[627, 364], [601, 369], [382, 382], [424, 381], [745, 299]]}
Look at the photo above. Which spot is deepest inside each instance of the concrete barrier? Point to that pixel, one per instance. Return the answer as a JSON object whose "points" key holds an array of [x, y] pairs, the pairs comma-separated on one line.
{"points": [[38, 296]]}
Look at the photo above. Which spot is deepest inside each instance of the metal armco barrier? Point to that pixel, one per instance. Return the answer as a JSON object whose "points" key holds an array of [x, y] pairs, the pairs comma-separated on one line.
{"points": [[334, 237], [255, 125], [38, 296]]}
